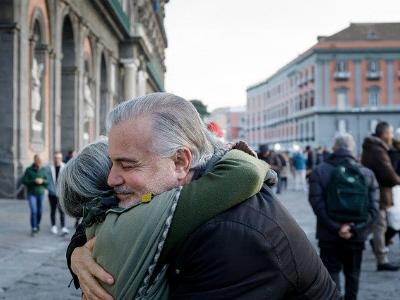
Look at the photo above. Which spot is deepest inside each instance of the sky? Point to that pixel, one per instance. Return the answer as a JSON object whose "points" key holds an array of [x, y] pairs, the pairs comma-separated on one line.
{"points": [[218, 48]]}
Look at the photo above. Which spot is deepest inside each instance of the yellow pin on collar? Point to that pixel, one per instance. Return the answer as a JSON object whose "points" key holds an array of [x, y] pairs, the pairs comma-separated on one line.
{"points": [[146, 198]]}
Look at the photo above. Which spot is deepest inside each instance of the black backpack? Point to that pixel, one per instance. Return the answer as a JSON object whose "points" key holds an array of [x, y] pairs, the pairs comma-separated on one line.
{"points": [[347, 194]]}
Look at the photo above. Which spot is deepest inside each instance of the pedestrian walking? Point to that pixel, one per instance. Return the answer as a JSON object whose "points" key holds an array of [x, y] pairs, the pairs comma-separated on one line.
{"points": [[273, 159], [36, 181], [299, 167], [344, 196], [375, 156], [394, 211], [71, 154], [311, 160], [285, 172], [53, 172]]}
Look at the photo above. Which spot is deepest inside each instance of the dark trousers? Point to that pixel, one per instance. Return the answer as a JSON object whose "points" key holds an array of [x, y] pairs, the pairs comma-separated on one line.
{"points": [[283, 183], [54, 205], [390, 233], [279, 184], [342, 255]]}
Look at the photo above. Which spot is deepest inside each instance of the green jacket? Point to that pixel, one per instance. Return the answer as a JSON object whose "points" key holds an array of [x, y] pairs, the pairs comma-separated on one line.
{"points": [[129, 241], [28, 180]]}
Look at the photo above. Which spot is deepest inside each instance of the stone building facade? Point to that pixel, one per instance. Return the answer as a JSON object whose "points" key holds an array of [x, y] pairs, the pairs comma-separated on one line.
{"points": [[347, 82], [63, 65]]}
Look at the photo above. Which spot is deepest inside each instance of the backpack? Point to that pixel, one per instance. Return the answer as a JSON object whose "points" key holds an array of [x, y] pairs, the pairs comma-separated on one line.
{"points": [[347, 194]]}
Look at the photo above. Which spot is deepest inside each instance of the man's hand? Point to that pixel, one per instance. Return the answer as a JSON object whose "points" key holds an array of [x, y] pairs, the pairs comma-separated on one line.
{"points": [[88, 271], [243, 146], [38, 180], [345, 232]]}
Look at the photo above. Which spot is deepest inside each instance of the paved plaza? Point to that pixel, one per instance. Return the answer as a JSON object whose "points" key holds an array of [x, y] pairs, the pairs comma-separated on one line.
{"points": [[35, 268]]}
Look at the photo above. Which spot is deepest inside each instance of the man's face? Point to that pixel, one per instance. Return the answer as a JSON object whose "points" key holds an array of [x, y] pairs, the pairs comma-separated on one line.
{"points": [[136, 169], [387, 137], [37, 160], [57, 159]]}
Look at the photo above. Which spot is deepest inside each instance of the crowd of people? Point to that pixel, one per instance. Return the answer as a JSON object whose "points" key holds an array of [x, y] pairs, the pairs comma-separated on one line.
{"points": [[355, 199], [170, 212]]}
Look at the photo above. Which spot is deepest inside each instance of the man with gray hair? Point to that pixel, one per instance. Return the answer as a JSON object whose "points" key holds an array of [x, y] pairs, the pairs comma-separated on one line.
{"points": [[252, 251], [344, 196]]}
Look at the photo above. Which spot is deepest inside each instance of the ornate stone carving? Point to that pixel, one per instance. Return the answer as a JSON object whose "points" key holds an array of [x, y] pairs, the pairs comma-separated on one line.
{"points": [[89, 108], [36, 96]]}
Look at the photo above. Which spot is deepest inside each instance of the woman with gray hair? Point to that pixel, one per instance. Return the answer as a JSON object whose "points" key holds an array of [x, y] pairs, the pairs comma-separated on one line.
{"points": [[131, 242]]}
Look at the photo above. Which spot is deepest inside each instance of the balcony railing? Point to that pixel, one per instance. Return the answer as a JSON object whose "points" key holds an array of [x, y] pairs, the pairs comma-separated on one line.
{"points": [[342, 75], [373, 75]]}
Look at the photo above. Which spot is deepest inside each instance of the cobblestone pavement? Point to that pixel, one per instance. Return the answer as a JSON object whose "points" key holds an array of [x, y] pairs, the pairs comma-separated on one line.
{"points": [[34, 268], [31, 268]]}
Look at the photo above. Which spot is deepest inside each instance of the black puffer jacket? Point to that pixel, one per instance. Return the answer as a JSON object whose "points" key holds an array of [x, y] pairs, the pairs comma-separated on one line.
{"points": [[328, 229], [255, 250]]}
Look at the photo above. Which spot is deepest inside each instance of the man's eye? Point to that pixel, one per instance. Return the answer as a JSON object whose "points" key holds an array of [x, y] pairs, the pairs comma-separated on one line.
{"points": [[127, 167]]}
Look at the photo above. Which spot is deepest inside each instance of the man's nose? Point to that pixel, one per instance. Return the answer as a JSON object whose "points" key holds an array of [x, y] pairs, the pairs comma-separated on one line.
{"points": [[114, 179]]}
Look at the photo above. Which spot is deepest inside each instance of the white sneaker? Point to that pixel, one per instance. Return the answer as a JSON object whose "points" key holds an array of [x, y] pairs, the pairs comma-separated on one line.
{"points": [[64, 231], [54, 229]]}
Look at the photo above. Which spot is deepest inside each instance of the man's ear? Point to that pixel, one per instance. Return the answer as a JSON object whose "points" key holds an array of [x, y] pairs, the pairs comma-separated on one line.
{"points": [[183, 162]]}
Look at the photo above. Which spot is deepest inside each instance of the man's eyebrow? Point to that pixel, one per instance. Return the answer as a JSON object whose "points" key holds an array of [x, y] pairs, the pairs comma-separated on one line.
{"points": [[125, 159]]}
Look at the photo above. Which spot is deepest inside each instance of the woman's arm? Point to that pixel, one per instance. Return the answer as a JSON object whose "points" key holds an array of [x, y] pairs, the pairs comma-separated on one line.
{"points": [[235, 178]]}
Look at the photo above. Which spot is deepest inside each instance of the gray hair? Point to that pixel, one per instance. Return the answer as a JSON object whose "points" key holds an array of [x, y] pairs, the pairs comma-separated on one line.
{"points": [[84, 178], [396, 134], [344, 141], [176, 124]]}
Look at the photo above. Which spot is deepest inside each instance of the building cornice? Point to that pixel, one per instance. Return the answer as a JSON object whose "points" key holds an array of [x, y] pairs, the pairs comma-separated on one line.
{"points": [[331, 111], [114, 16]]}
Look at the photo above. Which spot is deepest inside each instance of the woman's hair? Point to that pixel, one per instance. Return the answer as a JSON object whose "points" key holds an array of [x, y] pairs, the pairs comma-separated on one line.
{"points": [[84, 178]]}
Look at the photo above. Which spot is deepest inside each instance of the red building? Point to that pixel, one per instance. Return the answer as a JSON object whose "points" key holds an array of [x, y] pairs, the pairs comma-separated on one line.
{"points": [[347, 82]]}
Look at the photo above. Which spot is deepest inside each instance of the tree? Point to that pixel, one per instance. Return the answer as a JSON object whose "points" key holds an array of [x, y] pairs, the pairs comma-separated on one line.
{"points": [[201, 108]]}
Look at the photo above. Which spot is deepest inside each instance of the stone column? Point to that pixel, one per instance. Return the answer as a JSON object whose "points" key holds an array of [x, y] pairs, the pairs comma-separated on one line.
{"points": [[319, 83], [390, 81], [9, 110], [142, 82], [130, 78], [357, 82], [98, 48]]}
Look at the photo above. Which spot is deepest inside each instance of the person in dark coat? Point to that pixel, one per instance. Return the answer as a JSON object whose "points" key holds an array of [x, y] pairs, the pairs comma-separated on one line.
{"points": [[394, 154], [341, 245], [36, 181], [375, 156]]}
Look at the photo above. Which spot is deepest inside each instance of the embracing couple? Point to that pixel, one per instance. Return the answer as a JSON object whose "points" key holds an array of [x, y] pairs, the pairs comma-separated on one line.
{"points": [[171, 213]]}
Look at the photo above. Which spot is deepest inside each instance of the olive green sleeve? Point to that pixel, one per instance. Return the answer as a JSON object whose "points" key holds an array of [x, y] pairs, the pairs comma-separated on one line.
{"points": [[235, 178]]}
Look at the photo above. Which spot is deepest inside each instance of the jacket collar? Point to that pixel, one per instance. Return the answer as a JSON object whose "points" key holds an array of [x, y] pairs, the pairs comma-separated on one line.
{"points": [[340, 155], [372, 139]]}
